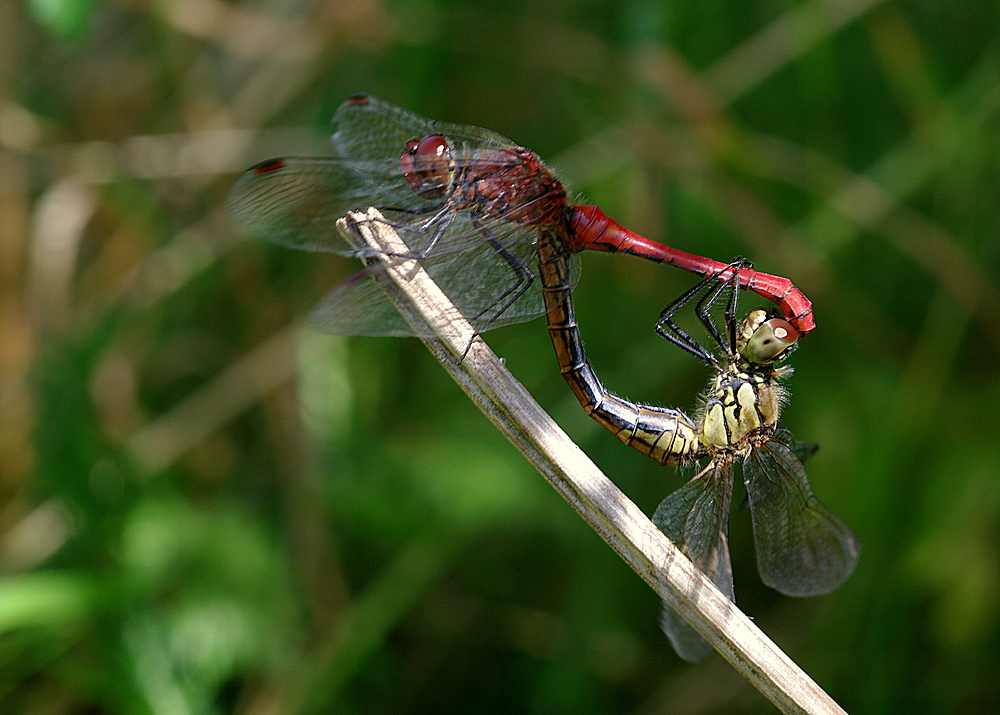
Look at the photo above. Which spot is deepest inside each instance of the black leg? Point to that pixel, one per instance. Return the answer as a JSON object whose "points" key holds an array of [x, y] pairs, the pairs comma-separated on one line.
{"points": [[667, 328]]}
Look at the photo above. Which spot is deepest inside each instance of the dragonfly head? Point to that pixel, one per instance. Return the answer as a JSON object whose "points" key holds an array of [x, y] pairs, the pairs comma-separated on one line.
{"points": [[764, 340], [427, 166]]}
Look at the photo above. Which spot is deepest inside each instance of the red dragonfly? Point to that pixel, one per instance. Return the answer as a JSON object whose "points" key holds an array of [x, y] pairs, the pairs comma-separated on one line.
{"points": [[468, 203]]}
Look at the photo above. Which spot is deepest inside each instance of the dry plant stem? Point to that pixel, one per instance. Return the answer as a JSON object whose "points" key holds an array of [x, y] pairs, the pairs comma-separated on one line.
{"points": [[608, 511]]}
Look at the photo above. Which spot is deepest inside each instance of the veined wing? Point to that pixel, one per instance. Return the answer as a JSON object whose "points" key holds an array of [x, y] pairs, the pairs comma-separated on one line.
{"points": [[480, 282], [371, 129], [803, 450], [296, 201], [803, 548], [483, 259], [696, 519]]}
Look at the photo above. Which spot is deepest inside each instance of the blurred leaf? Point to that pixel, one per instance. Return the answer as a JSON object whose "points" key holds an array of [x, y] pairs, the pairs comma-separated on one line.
{"points": [[45, 598], [66, 19]]}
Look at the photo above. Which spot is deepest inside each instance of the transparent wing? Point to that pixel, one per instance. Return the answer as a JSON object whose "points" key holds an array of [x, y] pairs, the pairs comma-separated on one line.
{"points": [[479, 281], [803, 548], [296, 201], [696, 519], [803, 450], [484, 263], [371, 129]]}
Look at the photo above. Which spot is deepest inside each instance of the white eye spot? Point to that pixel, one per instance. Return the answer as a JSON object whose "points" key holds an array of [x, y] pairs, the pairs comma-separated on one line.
{"points": [[780, 333]]}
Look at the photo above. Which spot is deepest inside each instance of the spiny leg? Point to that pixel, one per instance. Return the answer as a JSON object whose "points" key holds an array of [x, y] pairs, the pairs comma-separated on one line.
{"points": [[704, 306], [667, 328]]}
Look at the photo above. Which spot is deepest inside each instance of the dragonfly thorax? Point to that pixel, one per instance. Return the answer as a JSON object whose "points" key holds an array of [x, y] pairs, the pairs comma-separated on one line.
{"points": [[745, 398], [515, 185], [739, 404]]}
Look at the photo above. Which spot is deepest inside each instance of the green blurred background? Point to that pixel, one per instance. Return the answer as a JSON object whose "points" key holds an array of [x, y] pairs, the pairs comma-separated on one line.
{"points": [[207, 508]]}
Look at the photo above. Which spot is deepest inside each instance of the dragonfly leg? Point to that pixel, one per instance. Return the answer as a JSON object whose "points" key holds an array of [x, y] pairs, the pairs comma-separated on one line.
{"points": [[440, 221], [667, 328], [704, 306], [524, 278], [525, 275]]}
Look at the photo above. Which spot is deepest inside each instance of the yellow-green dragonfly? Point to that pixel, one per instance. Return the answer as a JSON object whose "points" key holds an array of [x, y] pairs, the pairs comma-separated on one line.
{"points": [[803, 549]]}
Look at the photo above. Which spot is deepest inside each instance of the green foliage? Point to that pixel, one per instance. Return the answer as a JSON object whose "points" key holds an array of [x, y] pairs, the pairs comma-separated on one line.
{"points": [[66, 19]]}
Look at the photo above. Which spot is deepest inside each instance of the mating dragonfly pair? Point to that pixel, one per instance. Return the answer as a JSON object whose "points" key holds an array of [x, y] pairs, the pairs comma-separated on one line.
{"points": [[803, 549], [495, 230]]}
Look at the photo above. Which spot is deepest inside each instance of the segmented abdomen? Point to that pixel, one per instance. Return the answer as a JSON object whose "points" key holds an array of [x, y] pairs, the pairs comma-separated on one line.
{"points": [[667, 435]]}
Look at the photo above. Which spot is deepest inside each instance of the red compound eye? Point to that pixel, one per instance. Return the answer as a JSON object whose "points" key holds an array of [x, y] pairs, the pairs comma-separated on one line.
{"points": [[431, 148], [427, 165]]}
